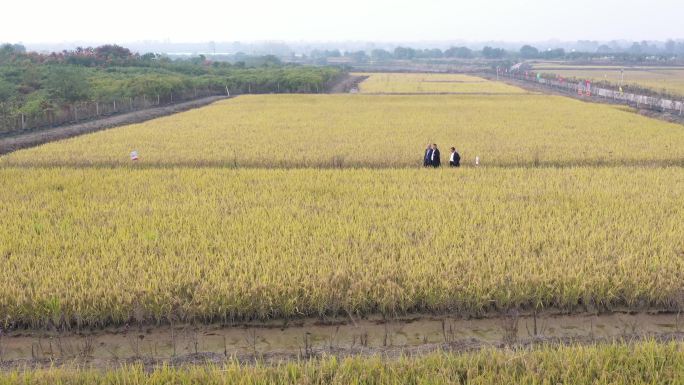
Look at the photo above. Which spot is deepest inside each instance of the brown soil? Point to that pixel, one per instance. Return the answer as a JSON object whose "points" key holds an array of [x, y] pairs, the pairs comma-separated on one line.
{"points": [[347, 84], [35, 138], [275, 341]]}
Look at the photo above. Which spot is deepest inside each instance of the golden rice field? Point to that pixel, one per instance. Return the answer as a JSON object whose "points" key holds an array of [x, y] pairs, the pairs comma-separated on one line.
{"points": [[105, 246], [635, 364], [376, 131], [392, 83], [665, 80], [283, 206]]}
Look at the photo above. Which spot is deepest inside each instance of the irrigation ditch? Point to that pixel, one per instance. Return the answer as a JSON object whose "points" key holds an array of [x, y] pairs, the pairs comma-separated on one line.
{"points": [[279, 341]]}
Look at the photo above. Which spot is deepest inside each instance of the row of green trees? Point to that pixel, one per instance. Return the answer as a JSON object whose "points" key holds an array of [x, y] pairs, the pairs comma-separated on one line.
{"points": [[633, 55], [407, 53], [33, 86]]}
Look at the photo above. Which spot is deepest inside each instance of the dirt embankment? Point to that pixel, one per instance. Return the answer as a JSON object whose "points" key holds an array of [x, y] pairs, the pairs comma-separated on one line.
{"points": [[346, 84], [35, 138], [303, 339]]}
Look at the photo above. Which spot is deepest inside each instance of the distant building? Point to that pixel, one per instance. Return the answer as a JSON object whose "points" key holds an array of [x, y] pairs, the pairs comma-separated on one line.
{"points": [[340, 60], [520, 67]]}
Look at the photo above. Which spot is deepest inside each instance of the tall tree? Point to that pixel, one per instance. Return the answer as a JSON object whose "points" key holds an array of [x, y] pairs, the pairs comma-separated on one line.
{"points": [[529, 52], [493, 53], [67, 84], [7, 91]]}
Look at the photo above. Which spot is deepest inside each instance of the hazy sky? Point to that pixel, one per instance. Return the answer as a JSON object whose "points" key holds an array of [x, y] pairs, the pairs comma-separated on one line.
{"points": [[120, 21]]}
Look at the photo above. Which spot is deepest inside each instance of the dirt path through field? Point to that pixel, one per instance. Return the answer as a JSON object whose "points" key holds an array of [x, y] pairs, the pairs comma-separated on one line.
{"points": [[30, 139], [278, 341], [347, 84]]}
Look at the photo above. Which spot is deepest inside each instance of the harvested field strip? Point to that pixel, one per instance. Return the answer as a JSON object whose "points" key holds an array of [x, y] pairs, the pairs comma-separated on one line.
{"points": [[105, 247]]}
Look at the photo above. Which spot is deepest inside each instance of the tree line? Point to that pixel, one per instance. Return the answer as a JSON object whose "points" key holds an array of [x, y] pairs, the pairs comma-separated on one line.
{"points": [[35, 85], [639, 52]]}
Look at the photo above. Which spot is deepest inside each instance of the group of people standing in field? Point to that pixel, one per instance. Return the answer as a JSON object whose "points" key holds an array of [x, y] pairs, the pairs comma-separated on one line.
{"points": [[432, 157]]}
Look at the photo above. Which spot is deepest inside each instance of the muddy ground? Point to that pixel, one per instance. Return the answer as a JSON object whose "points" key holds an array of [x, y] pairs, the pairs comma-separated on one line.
{"points": [[277, 341]]}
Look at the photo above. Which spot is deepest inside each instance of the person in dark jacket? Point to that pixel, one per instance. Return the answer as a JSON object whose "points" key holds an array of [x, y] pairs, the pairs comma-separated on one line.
{"points": [[436, 162], [455, 159], [427, 159]]}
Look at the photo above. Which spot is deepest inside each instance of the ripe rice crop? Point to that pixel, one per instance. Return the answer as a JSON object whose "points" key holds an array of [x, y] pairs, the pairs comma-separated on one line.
{"points": [[106, 246], [392, 83], [640, 363], [665, 80], [294, 131]]}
